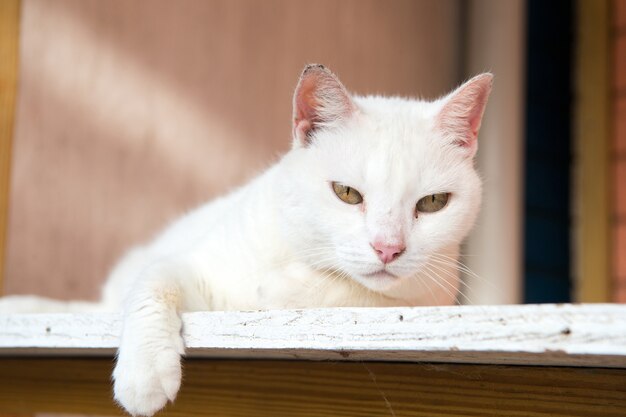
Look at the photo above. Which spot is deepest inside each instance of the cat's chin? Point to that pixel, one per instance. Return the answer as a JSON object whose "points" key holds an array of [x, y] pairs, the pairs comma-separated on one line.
{"points": [[379, 281]]}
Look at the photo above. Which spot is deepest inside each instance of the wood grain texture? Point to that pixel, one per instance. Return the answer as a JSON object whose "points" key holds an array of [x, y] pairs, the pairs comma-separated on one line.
{"points": [[591, 145], [9, 39], [568, 335], [296, 388]]}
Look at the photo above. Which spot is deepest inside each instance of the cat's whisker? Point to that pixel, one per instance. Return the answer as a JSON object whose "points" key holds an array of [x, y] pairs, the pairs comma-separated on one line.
{"points": [[443, 259], [425, 284], [434, 277], [451, 276], [461, 283], [444, 266], [463, 266], [328, 278]]}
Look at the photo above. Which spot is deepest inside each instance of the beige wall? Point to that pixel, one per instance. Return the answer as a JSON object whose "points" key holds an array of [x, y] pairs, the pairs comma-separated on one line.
{"points": [[130, 112], [496, 42]]}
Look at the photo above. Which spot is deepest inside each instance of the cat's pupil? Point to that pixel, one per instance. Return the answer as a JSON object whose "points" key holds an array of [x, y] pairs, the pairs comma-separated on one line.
{"points": [[347, 194], [432, 203]]}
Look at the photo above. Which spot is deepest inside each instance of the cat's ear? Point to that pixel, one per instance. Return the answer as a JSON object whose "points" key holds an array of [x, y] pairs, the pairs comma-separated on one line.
{"points": [[462, 112], [320, 100]]}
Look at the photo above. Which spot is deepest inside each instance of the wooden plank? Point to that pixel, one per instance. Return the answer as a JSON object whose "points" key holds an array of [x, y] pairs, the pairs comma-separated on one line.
{"points": [[571, 335], [9, 34], [297, 388], [591, 207]]}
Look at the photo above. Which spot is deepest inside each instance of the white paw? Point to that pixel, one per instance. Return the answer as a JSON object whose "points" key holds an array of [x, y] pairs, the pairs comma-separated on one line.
{"points": [[147, 375]]}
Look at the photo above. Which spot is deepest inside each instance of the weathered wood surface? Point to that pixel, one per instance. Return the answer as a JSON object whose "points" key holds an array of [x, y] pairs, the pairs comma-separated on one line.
{"points": [[569, 335], [323, 389]]}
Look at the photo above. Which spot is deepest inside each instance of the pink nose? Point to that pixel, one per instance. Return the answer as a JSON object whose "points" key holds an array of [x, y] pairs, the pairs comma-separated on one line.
{"points": [[388, 253]]}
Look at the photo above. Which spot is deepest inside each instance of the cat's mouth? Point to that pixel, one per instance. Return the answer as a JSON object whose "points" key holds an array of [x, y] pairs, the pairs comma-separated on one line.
{"points": [[381, 273]]}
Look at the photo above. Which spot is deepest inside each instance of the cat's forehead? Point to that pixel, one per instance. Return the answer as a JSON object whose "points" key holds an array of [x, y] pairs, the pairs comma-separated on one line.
{"points": [[391, 141], [396, 124], [391, 130], [379, 109]]}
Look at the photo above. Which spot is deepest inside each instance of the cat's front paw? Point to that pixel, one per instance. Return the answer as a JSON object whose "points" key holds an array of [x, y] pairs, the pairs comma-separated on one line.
{"points": [[145, 379]]}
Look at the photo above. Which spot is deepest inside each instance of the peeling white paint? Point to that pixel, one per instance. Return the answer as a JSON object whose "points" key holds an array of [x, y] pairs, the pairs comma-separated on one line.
{"points": [[571, 335]]}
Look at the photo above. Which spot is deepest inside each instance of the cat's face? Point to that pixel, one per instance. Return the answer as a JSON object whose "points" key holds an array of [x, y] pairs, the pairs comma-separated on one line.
{"points": [[389, 183]]}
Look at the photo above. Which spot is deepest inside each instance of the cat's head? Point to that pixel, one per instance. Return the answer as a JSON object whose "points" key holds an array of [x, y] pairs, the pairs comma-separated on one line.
{"points": [[375, 186]]}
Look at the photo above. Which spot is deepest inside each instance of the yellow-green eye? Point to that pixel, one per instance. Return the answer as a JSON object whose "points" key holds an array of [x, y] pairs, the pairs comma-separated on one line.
{"points": [[347, 194], [432, 203]]}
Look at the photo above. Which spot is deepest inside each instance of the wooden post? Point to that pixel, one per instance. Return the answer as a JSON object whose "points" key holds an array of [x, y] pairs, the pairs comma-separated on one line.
{"points": [[9, 33], [591, 198]]}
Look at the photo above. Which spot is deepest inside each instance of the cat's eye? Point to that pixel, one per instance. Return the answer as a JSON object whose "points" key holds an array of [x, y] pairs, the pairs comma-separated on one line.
{"points": [[347, 194], [432, 203]]}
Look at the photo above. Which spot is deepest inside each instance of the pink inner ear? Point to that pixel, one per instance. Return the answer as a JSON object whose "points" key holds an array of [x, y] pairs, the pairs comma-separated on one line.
{"points": [[461, 116], [305, 104], [319, 99], [475, 115], [302, 128]]}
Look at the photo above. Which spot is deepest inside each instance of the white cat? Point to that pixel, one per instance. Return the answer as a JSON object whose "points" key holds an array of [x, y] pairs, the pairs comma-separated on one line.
{"points": [[367, 209]]}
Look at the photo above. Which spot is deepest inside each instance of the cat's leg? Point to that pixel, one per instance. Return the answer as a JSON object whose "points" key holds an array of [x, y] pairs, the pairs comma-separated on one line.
{"points": [[36, 304], [148, 370]]}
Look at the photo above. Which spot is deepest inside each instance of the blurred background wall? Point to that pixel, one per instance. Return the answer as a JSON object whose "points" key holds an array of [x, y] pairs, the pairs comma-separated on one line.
{"points": [[129, 113]]}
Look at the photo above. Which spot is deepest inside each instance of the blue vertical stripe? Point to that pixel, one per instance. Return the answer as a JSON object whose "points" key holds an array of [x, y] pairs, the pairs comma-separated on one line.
{"points": [[547, 235]]}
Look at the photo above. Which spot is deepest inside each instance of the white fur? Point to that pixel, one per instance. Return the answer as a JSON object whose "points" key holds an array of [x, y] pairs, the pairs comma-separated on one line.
{"points": [[286, 241]]}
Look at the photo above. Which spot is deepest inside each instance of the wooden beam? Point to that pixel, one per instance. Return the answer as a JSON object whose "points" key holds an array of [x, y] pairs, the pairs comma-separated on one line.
{"points": [[566, 335], [296, 388], [357, 361], [591, 188], [9, 34]]}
